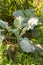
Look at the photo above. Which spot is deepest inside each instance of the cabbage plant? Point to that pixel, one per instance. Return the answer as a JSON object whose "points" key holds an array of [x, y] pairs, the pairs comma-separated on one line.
{"points": [[23, 23]]}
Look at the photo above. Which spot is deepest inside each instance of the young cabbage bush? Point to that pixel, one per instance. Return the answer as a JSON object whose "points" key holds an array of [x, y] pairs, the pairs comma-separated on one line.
{"points": [[25, 23], [21, 25]]}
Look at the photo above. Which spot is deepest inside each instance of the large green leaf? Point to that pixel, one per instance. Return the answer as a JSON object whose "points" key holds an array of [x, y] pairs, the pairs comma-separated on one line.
{"points": [[26, 45], [29, 13], [18, 22], [18, 13], [3, 24], [32, 22]]}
